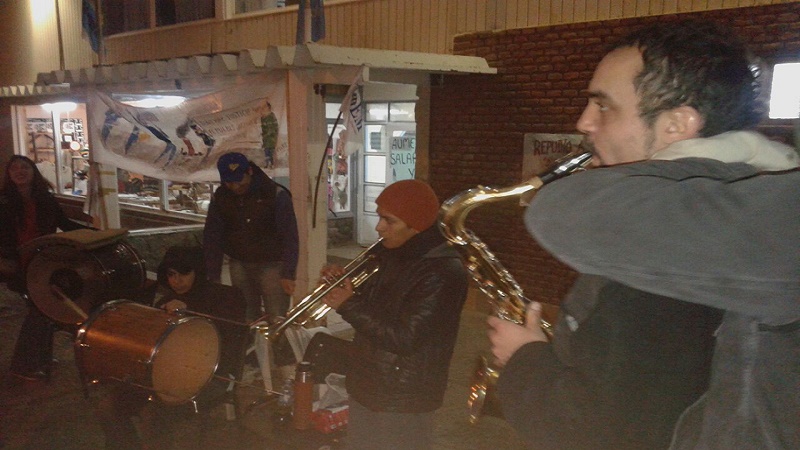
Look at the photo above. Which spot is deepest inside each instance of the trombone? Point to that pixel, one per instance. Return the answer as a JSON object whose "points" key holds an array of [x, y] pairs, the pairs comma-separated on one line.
{"points": [[311, 307]]}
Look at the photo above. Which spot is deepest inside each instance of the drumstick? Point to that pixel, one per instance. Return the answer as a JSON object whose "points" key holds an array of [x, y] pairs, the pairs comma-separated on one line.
{"points": [[63, 297], [208, 316]]}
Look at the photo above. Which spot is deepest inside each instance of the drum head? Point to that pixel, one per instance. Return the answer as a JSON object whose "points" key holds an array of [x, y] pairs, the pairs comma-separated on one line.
{"points": [[185, 360], [174, 357], [66, 283]]}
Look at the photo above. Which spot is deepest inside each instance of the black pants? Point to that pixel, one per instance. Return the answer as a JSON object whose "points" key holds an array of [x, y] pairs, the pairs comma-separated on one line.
{"points": [[34, 349]]}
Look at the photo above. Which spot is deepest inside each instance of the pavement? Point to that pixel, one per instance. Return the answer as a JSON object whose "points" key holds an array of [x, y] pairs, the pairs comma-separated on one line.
{"points": [[59, 414]]}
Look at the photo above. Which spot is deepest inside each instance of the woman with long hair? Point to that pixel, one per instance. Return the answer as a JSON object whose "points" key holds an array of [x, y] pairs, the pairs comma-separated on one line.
{"points": [[28, 209]]}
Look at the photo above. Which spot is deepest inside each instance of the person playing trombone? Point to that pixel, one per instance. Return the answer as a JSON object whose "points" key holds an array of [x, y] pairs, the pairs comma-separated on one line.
{"points": [[406, 320]]}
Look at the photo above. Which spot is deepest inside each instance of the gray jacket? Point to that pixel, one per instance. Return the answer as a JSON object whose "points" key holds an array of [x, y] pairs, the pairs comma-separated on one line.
{"points": [[707, 232]]}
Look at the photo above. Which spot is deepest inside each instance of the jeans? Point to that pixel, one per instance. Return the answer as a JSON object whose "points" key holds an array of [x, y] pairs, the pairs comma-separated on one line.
{"points": [[261, 285]]}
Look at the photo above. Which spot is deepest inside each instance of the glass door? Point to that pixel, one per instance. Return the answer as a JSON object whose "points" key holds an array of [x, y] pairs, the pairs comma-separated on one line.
{"points": [[389, 155]]}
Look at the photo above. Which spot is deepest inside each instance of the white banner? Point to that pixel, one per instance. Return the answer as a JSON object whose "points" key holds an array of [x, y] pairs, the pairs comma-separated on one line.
{"points": [[182, 143], [352, 109]]}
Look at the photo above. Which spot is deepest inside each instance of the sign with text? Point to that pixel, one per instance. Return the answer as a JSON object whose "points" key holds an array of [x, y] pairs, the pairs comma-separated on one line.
{"points": [[541, 150], [404, 157]]}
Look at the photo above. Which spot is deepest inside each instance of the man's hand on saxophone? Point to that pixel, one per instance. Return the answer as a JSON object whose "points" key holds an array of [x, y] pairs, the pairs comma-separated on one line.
{"points": [[507, 337]]}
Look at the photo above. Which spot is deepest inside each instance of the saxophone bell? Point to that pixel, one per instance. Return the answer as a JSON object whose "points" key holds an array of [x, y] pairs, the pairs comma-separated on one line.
{"points": [[311, 307]]}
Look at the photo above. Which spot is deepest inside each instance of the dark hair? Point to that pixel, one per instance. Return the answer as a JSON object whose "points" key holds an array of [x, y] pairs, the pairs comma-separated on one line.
{"points": [[697, 64], [183, 259], [40, 188]]}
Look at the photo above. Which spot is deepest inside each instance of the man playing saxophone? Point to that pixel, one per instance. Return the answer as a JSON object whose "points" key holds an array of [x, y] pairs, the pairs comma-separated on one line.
{"points": [[630, 353], [406, 319]]}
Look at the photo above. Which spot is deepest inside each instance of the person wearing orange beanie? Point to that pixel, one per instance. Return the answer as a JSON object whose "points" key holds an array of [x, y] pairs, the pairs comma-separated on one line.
{"points": [[406, 320], [413, 201]]}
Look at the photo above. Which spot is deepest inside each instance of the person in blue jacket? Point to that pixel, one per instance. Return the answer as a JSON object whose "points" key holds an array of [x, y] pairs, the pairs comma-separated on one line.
{"points": [[251, 220]]}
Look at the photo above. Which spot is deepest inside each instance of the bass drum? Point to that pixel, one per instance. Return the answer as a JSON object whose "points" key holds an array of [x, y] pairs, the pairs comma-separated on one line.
{"points": [[66, 283], [171, 356]]}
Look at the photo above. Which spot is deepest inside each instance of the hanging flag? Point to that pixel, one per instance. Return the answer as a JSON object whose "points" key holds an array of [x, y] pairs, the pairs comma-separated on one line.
{"points": [[300, 37], [91, 26], [317, 21], [352, 109]]}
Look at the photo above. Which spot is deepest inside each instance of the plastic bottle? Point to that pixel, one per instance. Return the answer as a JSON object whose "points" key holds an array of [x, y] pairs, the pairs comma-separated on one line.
{"points": [[303, 396], [283, 414]]}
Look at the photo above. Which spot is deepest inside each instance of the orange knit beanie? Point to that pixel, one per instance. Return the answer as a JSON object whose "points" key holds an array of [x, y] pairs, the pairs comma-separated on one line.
{"points": [[413, 201]]}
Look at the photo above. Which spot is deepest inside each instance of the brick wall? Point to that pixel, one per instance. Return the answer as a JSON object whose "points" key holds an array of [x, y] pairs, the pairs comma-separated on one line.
{"points": [[478, 122]]}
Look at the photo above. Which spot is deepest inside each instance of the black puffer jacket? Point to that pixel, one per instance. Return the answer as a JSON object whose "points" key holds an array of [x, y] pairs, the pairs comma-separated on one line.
{"points": [[406, 320], [622, 367]]}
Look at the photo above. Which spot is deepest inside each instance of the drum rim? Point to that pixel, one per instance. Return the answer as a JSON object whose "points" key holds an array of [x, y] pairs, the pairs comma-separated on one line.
{"points": [[172, 325]]}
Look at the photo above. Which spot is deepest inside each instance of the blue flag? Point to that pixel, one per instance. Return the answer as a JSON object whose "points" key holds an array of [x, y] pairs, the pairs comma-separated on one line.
{"points": [[317, 21], [90, 25]]}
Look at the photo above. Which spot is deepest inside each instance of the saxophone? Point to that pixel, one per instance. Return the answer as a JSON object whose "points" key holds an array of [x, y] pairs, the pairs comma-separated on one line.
{"points": [[507, 300]]}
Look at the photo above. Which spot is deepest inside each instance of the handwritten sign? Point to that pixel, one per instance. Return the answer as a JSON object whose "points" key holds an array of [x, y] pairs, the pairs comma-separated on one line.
{"points": [[404, 157]]}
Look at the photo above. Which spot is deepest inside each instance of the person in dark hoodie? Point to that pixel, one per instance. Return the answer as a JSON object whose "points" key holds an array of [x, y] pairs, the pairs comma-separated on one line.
{"points": [[183, 288]]}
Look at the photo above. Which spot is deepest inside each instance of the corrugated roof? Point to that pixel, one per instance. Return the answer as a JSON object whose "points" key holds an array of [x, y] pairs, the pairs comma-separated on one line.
{"points": [[307, 56]]}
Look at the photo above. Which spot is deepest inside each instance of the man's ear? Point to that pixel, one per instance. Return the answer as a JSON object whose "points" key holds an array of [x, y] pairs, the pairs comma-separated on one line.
{"points": [[683, 122]]}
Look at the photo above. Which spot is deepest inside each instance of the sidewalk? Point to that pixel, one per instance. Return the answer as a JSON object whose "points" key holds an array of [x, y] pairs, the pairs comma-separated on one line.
{"points": [[58, 416]]}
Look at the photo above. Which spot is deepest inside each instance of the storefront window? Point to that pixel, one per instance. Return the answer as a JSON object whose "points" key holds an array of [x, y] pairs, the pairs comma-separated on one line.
{"points": [[67, 147], [402, 112], [140, 190], [339, 166], [64, 147], [391, 112], [377, 112], [190, 197]]}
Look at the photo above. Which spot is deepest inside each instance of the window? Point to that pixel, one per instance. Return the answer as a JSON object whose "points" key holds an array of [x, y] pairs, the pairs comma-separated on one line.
{"points": [[339, 165], [391, 112], [120, 16], [140, 190], [784, 100], [64, 147], [246, 6], [391, 142]]}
